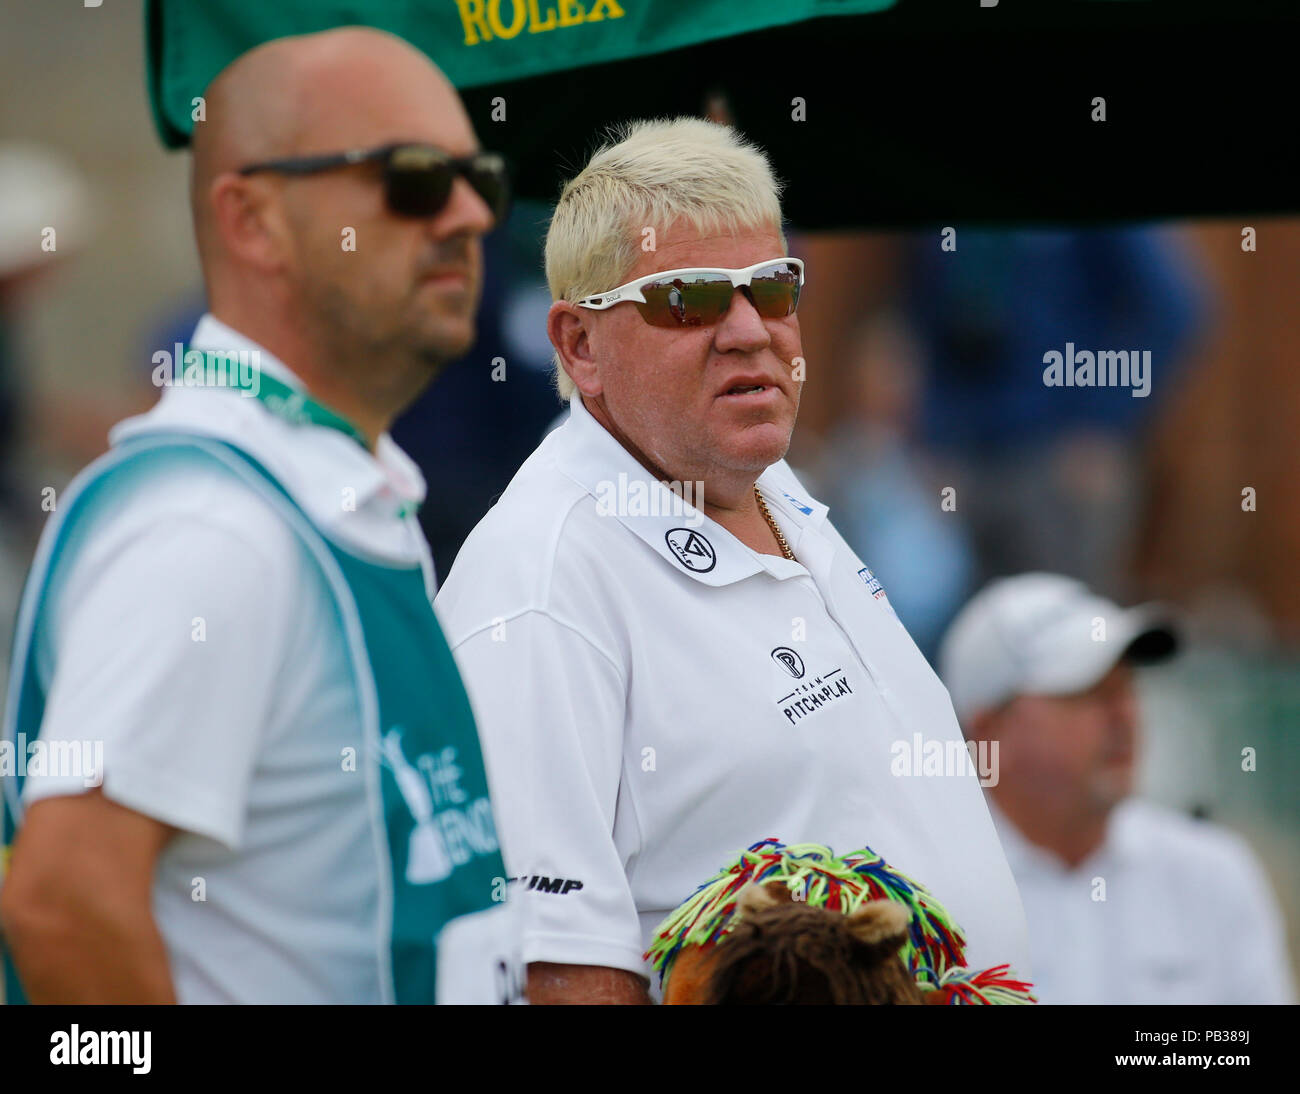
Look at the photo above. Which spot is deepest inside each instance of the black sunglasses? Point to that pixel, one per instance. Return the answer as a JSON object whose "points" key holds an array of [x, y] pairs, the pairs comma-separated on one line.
{"points": [[417, 177]]}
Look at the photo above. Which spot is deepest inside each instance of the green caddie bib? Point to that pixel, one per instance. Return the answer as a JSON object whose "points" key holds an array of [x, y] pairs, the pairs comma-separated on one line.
{"points": [[443, 931]]}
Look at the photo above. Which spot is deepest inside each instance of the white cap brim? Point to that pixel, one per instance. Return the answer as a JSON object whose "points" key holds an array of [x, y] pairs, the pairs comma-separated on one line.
{"points": [[1043, 634]]}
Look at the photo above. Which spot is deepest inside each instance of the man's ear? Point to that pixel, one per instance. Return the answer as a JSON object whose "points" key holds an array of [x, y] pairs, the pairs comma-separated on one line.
{"points": [[249, 221], [566, 325]]}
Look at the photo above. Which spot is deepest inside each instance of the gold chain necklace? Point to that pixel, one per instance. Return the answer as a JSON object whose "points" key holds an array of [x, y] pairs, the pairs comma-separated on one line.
{"points": [[767, 516]]}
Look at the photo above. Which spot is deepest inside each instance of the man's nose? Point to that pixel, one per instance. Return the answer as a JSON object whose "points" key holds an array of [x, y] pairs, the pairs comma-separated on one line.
{"points": [[741, 327], [464, 213]]}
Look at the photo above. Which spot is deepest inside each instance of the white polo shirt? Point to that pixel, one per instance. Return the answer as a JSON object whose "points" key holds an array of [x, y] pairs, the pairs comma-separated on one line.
{"points": [[1169, 910], [654, 697], [195, 637]]}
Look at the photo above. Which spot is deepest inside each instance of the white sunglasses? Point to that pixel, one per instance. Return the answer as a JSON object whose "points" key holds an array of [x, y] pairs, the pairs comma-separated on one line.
{"points": [[698, 296]]}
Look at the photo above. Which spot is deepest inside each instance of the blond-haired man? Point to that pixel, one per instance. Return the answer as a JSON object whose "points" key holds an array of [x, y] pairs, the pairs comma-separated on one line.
{"points": [[656, 684]]}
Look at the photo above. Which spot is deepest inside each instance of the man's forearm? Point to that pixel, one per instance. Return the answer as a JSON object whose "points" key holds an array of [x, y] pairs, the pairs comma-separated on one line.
{"points": [[85, 954], [76, 903], [552, 984]]}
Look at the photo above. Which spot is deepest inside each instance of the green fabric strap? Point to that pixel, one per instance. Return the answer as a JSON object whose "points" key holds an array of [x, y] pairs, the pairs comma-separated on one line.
{"points": [[233, 369]]}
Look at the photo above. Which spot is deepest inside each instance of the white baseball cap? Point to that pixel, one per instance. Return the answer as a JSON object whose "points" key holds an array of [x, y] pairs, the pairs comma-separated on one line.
{"points": [[1043, 634], [39, 189]]}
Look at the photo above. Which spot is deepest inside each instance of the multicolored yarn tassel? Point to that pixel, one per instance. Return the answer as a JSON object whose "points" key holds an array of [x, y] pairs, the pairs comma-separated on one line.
{"points": [[815, 876], [965, 986], [936, 943], [934, 951]]}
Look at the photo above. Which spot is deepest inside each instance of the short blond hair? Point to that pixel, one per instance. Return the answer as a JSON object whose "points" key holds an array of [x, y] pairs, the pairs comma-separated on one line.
{"points": [[652, 174]]}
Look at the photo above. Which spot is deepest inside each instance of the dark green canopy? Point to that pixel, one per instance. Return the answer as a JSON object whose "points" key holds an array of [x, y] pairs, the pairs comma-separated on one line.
{"points": [[877, 113], [475, 42]]}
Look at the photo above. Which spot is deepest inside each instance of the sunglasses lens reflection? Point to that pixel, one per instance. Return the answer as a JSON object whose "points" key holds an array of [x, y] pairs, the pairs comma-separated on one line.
{"points": [[775, 290], [697, 300], [685, 301]]}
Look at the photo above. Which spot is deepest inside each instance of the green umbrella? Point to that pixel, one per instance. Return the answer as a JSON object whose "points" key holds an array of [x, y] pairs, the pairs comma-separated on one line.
{"points": [[477, 43], [876, 112]]}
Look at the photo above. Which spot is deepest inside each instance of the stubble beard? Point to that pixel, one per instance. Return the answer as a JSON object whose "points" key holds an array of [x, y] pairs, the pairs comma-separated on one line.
{"points": [[399, 361]]}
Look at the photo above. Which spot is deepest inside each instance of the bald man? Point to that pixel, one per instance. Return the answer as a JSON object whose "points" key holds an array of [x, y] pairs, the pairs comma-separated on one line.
{"points": [[247, 768]]}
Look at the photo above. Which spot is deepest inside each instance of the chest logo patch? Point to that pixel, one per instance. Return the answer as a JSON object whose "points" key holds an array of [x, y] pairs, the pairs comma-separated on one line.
{"points": [[813, 694], [789, 660], [691, 549]]}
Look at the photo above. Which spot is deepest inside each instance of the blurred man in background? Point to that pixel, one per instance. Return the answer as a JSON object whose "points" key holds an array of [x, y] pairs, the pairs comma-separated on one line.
{"points": [[1127, 902], [1040, 471], [285, 799], [881, 484]]}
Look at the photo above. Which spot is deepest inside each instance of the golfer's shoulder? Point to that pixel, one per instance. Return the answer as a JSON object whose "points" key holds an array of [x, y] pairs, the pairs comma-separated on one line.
{"points": [[542, 547]]}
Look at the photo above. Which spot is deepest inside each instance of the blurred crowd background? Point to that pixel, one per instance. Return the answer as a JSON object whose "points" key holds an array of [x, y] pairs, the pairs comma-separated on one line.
{"points": [[925, 373]]}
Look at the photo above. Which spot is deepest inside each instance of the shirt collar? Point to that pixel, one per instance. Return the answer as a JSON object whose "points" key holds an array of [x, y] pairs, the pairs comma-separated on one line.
{"points": [[314, 463], [212, 334], [683, 536]]}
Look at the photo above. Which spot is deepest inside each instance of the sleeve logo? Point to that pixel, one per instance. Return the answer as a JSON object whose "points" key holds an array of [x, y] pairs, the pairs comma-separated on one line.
{"points": [[871, 582]]}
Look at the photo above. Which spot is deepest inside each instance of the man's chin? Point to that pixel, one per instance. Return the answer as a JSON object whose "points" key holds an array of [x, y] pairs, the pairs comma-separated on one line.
{"points": [[449, 342], [1112, 787], [757, 447]]}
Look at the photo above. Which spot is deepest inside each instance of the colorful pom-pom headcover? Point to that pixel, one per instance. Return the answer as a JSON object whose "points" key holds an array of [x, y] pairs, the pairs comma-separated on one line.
{"points": [[934, 950]]}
